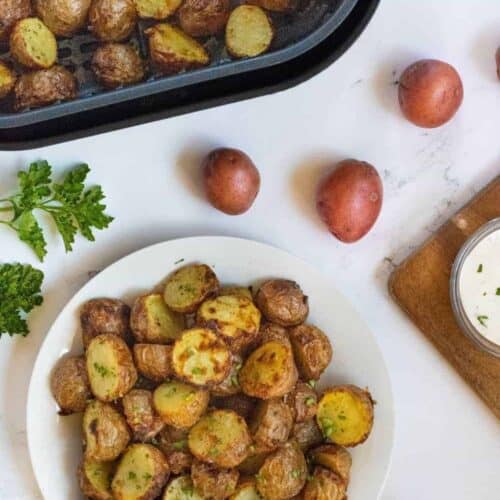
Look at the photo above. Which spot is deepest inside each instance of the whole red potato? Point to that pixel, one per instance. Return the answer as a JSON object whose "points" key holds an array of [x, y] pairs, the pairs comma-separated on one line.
{"points": [[349, 200], [231, 180], [430, 93]]}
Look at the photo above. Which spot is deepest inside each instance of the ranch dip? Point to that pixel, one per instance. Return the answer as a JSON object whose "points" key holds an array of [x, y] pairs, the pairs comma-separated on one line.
{"points": [[479, 286]]}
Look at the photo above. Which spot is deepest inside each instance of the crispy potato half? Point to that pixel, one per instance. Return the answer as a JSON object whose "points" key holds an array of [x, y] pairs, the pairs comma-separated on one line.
{"points": [[105, 432], [174, 445], [333, 457], [269, 372], [246, 490], [201, 358], [220, 437], [112, 20], [307, 434], [110, 367], [63, 17], [180, 405], [140, 414], [153, 322], [324, 485], [233, 317], [156, 9], [345, 415], [213, 482], [32, 44], [249, 31], [141, 473], [7, 80], [276, 5], [181, 488], [204, 17], [95, 478], [171, 51], [154, 361]]}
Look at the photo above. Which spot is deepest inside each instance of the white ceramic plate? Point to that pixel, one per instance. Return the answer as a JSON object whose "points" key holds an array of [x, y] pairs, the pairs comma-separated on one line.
{"points": [[55, 442]]}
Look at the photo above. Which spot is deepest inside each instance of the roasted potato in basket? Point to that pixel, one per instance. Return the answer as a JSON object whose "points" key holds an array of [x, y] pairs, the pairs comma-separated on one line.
{"points": [[303, 402], [276, 5], [333, 457], [234, 318], [249, 31], [12, 11], [70, 385], [63, 17], [246, 490], [115, 65], [7, 80], [154, 361], [112, 20], [180, 405], [110, 367], [153, 322], [307, 434], [204, 17], [32, 44], [141, 473], [220, 437], [105, 432], [212, 482], [171, 51], [140, 414], [174, 445], [100, 316], [242, 404], [345, 415], [181, 488], [156, 9], [230, 385], [324, 485], [95, 478]]}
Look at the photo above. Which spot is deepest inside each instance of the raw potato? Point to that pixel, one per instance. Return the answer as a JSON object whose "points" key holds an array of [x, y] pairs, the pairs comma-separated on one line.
{"points": [[324, 485], [246, 490], [242, 404], [63, 17], [12, 11], [269, 372], [171, 50], [241, 291], [201, 358], [345, 415], [32, 44], [181, 488], [117, 64], [349, 200], [230, 385], [188, 287], [7, 80], [180, 405], [307, 434], [276, 5], [282, 302], [141, 473], [234, 318], [312, 351], [231, 180], [95, 478], [156, 9], [249, 31], [154, 361], [430, 93], [212, 482], [204, 17], [140, 414], [105, 432], [70, 386], [112, 20], [174, 445], [302, 401], [283, 474], [221, 438], [333, 457], [104, 316]]}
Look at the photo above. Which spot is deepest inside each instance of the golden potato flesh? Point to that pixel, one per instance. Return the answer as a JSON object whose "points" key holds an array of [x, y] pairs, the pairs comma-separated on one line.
{"points": [[110, 367], [246, 490], [154, 361], [12, 11], [174, 445], [140, 414], [213, 482], [307, 434], [181, 488], [220, 437], [204, 17], [345, 415], [153, 322], [7, 80], [112, 20], [63, 17], [156, 9], [324, 485], [269, 372], [333, 457], [95, 478], [201, 358], [105, 432], [303, 402]]}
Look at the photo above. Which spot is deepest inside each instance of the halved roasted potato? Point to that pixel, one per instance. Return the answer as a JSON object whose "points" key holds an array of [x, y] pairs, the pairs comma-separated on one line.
{"points": [[307, 434], [201, 358], [153, 322], [220, 437], [204, 17], [345, 415], [333, 457], [246, 490], [110, 367], [212, 482], [181, 488], [141, 473], [324, 485], [95, 478], [7, 80], [156, 9], [154, 361], [249, 31], [32, 44], [230, 385], [140, 414], [242, 404], [112, 20], [180, 405], [233, 317], [240, 291], [171, 51], [105, 432], [276, 5], [174, 445], [63, 17], [303, 401], [269, 372]]}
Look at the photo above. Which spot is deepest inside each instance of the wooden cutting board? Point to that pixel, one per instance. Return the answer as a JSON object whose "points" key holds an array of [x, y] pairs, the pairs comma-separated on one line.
{"points": [[420, 286]]}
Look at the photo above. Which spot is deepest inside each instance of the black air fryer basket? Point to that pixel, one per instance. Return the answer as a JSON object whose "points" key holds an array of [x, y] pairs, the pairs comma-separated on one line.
{"points": [[305, 42]]}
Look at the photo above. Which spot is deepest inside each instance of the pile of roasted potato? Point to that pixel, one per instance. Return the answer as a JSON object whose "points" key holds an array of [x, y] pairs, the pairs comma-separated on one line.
{"points": [[176, 35], [208, 392]]}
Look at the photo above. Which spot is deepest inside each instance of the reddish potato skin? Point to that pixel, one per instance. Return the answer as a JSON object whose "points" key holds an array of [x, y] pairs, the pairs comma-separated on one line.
{"points": [[430, 93], [231, 180], [349, 200]]}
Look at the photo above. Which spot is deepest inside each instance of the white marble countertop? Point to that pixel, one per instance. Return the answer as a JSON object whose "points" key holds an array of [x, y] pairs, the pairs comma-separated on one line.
{"points": [[447, 441]]}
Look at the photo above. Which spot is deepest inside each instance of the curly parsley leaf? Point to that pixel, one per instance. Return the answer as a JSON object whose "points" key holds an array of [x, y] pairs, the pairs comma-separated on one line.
{"points": [[19, 293]]}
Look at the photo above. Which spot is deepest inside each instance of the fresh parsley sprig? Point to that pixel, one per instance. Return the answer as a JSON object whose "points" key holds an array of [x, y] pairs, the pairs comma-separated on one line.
{"points": [[72, 207]]}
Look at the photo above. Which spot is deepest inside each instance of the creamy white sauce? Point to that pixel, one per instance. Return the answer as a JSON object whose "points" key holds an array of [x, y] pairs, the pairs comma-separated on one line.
{"points": [[479, 285]]}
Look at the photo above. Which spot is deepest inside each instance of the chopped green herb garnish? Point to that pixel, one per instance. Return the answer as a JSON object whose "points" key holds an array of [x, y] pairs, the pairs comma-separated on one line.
{"points": [[189, 396], [484, 294], [342, 417], [498, 291], [196, 370], [310, 401], [312, 384], [480, 268], [147, 476], [103, 371], [132, 475], [180, 445], [214, 451], [178, 261], [482, 319], [295, 473], [234, 381]]}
